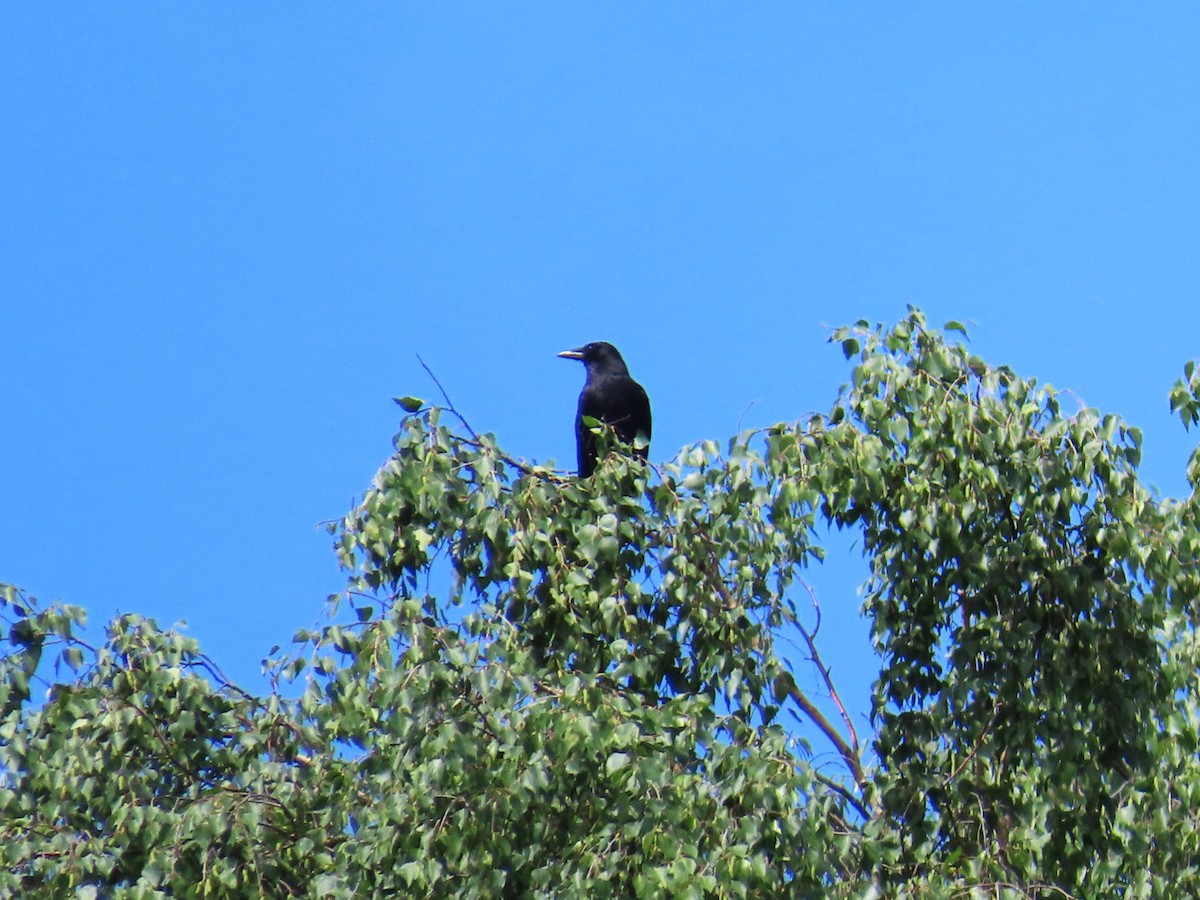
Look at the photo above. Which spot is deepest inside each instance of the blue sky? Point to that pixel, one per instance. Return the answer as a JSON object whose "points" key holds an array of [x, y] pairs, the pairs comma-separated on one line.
{"points": [[227, 231]]}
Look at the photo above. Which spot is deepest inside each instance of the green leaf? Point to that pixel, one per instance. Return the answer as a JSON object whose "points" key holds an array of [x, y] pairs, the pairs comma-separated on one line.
{"points": [[616, 762], [409, 404]]}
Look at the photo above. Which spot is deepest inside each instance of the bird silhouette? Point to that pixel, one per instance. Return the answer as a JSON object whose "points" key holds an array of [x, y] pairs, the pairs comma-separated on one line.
{"points": [[610, 396]]}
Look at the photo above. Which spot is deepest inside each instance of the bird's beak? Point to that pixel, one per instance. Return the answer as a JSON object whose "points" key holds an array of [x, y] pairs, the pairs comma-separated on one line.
{"points": [[572, 354]]}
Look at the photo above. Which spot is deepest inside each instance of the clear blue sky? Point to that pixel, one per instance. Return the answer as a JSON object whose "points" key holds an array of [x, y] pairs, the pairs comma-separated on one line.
{"points": [[226, 230]]}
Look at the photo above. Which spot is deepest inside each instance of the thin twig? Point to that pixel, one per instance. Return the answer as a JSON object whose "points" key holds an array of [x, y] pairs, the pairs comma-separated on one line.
{"points": [[826, 675], [979, 743], [207, 663], [841, 791], [449, 403], [749, 406]]}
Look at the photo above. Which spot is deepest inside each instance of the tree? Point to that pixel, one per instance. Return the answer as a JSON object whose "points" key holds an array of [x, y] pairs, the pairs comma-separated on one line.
{"points": [[537, 685]]}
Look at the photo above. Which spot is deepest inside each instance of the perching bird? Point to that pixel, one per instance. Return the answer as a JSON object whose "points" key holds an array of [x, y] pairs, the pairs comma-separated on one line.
{"points": [[610, 396]]}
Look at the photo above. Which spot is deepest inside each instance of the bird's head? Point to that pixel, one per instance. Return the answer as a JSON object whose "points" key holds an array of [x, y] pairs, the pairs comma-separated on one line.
{"points": [[600, 357]]}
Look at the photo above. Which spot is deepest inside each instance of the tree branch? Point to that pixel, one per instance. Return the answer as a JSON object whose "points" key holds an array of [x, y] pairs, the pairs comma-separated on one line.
{"points": [[841, 791], [839, 742], [449, 403], [979, 743], [826, 676]]}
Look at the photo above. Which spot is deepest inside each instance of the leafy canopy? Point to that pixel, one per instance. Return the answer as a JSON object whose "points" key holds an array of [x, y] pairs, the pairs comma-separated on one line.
{"points": [[536, 685]]}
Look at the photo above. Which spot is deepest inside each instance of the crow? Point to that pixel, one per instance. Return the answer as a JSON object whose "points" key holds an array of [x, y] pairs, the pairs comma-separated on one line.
{"points": [[610, 396]]}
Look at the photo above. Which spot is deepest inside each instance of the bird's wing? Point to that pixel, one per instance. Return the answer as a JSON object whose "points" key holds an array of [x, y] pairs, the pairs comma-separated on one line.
{"points": [[585, 441], [619, 402], [639, 407], [628, 409], [641, 410]]}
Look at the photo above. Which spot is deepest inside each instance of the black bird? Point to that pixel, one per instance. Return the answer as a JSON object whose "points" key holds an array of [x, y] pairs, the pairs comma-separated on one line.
{"points": [[610, 396]]}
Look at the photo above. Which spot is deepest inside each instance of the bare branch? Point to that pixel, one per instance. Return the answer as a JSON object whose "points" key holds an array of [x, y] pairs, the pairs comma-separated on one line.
{"points": [[818, 718], [449, 403], [206, 662], [826, 675], [841, 791]]}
